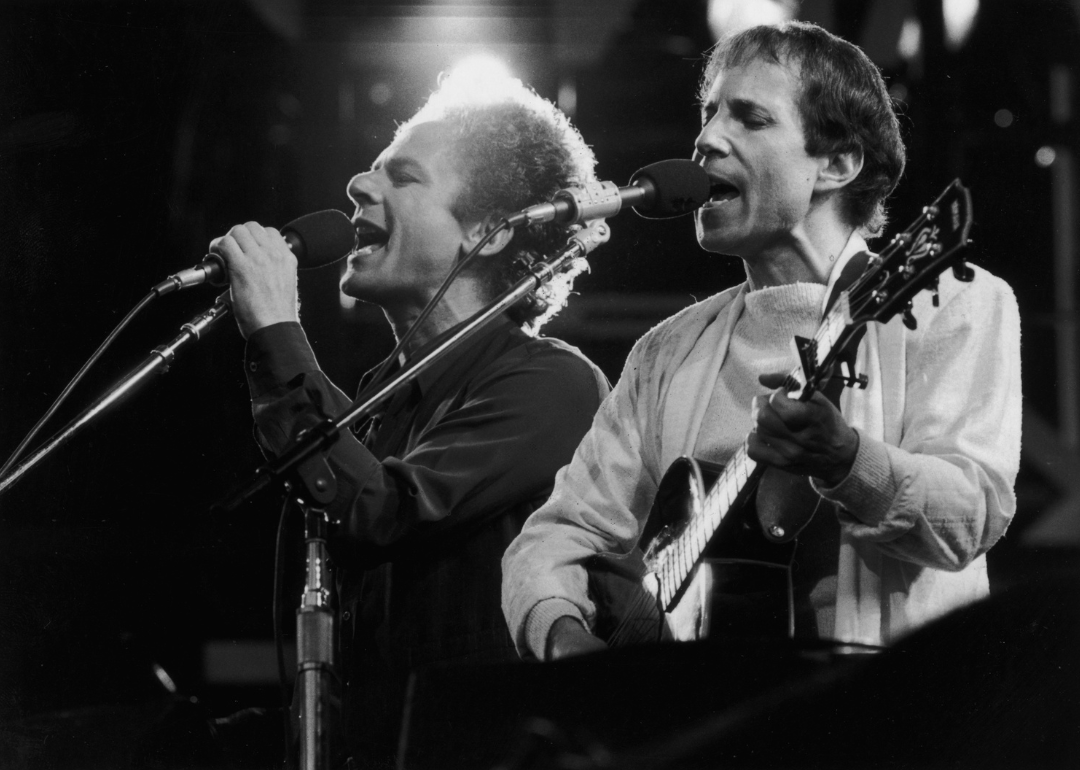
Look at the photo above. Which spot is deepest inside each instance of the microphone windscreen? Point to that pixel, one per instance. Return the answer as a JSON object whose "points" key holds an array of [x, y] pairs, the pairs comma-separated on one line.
{"points": [[680, 185], [320, 238]]}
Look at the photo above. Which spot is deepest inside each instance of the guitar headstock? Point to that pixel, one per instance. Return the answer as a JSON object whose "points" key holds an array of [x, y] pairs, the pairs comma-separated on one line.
{"points": [[915, 258]]}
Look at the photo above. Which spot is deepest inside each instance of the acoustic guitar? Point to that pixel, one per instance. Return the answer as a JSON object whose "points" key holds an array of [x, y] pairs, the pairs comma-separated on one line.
{"points": [[726, 537]]}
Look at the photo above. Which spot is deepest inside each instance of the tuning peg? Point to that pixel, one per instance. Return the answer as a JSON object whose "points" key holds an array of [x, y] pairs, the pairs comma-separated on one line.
{"points": [[909, 318], [963, 272]]}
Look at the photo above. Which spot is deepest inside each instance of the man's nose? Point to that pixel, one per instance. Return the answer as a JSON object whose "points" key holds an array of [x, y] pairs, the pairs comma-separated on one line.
{"points": [[364, 190], [712, 140]]}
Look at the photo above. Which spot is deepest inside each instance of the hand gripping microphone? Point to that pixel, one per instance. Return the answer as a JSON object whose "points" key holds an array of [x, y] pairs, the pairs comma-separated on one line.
{"points": [[668, 188], [317, 239]]}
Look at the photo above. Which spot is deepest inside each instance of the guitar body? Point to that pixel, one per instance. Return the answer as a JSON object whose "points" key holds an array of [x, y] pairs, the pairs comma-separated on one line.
{"points": [[742, 583]]}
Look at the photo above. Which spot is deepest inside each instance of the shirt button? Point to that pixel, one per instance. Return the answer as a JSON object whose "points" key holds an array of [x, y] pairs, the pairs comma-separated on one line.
{"points": [[346, 615], [253, 366]]}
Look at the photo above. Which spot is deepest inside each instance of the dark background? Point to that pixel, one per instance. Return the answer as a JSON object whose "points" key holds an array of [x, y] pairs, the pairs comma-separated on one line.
{"points": [[131, 133]]}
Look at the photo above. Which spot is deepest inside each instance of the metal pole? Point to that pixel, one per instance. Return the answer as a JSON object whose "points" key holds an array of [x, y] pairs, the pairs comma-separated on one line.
{"points": [[315, 648], [159, 360]]}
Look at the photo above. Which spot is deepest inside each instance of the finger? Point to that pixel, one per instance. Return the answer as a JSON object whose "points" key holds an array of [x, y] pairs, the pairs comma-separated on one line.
{"points": [[771, 450], [771, 426], [773, 380], [272, 242], [266, 237], [785, 411], [227, 247], [796, 415], [246, 237]]}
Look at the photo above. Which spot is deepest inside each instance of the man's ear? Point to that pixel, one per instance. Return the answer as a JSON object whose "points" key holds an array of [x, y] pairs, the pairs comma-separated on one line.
{"points": [[475, 233], [838, 170]]}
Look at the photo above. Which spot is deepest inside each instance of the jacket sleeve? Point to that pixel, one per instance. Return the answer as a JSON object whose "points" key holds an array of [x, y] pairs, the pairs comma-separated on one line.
{"points": [[599, 503], [501, 444], [945, 495]]}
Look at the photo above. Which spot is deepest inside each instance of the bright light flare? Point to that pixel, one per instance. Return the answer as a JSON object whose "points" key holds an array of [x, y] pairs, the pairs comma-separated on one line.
{"points": [[910, 43], [479, 78], [1045, 156], [726, 17], [959, 19]]}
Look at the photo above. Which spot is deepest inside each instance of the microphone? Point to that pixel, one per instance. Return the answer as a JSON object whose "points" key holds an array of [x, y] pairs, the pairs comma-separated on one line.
{"points": [[317, 239], [668, 188]]}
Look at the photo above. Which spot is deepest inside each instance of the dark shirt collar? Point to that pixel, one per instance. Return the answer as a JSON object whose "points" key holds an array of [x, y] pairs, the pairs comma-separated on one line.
{"points": [[500, 324]]}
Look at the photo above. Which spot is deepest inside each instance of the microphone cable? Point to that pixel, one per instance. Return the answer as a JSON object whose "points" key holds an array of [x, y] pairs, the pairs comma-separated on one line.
{"points": [[34, 431], [380, 373]]}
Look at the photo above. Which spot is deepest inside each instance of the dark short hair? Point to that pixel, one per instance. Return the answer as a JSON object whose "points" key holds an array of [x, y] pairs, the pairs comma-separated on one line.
{"points": [[514, 149], [844, 105]]}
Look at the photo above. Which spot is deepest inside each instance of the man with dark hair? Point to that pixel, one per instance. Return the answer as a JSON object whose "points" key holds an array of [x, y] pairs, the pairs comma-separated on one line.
{"points": [[802, 146], [447, 473]]}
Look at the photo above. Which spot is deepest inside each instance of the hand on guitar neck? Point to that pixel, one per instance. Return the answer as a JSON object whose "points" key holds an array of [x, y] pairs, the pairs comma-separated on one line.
{"points": [[807, 438], [568, 637]]}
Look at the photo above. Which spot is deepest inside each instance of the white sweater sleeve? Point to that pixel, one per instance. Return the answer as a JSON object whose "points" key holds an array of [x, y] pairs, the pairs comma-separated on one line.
{"points": [[598, 504], [945, 495]]}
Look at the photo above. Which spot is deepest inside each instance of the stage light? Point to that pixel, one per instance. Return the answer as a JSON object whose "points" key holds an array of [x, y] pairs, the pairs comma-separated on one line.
{"points": [[726, 17], [380, 93], [910, 42], [959, 19], [1045, 156], [478, 78]]}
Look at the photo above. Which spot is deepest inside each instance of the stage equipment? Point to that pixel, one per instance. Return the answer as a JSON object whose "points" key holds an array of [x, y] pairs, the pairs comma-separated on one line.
{"points": [[319, 237], [667, 188]]}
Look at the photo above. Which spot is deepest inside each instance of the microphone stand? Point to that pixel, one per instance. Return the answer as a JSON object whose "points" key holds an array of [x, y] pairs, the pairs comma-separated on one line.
{"points": [[315, 618], [159, 360], [305, 463]]}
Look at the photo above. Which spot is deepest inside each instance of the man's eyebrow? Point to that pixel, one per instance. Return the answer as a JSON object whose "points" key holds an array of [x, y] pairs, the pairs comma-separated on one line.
{"points": [[741, 106], [399, 164]]}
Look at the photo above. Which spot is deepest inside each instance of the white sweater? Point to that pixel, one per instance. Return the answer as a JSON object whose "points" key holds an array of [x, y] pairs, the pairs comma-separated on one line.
{"points": [[931, 489]]}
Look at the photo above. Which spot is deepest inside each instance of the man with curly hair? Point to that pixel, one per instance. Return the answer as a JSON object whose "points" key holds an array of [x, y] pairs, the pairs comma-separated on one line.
{"points": [[802, 146], [446, 474]]}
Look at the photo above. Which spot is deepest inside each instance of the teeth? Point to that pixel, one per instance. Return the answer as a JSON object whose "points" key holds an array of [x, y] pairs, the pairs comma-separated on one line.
{"points": [[365, 250], [721, 192]]}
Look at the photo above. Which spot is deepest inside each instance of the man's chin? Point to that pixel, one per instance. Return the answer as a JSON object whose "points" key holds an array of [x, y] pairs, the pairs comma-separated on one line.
{"points": [[714, 243], [351, 285]]}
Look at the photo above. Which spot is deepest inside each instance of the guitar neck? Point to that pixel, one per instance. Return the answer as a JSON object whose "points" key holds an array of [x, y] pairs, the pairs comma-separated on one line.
{"points": [[675, 562]]}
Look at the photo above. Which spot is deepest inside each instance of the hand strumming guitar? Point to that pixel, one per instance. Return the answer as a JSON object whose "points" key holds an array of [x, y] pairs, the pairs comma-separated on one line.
{"points": [[809, 438], [568, 637]]}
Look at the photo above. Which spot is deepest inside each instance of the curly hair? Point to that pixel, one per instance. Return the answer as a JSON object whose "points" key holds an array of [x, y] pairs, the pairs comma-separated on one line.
{"points": [[514, 149], [844, 106]]}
